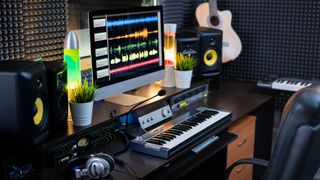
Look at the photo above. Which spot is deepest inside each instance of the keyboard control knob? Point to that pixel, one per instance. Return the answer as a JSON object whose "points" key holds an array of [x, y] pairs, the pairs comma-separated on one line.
{"points": [[165, 113]]}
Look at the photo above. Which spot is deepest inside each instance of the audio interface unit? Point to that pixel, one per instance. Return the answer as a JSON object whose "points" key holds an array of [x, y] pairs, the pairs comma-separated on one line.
{"points": [[187, 97], [58, 153]]}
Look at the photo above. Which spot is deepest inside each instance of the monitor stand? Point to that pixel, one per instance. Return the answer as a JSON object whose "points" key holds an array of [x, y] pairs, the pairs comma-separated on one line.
{"points": [[125, 99]]}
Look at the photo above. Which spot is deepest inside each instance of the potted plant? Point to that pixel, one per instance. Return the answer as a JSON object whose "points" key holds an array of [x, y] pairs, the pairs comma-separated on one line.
{"points": [[81, 103], [183, 70]]}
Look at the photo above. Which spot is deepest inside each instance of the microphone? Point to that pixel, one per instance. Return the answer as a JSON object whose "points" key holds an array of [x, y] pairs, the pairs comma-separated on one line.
{"points": [[162, 92]]}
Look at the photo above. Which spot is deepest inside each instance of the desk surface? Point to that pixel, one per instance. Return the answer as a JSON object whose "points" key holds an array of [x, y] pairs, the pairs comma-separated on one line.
{"points": [[239, 98]]}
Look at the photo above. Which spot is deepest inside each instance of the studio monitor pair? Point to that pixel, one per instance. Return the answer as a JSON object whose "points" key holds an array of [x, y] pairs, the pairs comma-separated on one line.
{"points": [[206, 45], [24, 109], [33, 103]]}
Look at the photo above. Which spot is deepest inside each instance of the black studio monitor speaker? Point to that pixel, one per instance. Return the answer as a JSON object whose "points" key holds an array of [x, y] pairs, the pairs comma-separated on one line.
{"points": [[188, 43], [58, 96], [210, 52], [24, 110]]}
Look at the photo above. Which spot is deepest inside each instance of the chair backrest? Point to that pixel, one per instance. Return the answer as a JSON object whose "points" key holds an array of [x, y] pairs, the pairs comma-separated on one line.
{"points": [[296, 154]]}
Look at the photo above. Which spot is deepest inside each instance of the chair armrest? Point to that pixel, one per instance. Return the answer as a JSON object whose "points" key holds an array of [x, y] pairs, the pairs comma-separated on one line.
{"points": [[254, 161]]}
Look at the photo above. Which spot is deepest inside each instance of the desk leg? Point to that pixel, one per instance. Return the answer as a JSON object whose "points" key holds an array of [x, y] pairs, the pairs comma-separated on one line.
{"points": [[264, 132]]}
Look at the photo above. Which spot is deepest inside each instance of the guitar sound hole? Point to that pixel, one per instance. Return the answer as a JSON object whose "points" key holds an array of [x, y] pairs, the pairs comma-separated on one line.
{"points": [[214, 20]]}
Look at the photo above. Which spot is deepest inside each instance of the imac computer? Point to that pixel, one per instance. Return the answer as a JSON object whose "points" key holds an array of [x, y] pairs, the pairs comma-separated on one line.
{"points": [[126, 51]]}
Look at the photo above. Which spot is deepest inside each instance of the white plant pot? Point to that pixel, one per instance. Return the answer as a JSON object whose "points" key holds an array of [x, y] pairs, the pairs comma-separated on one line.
{"points": [[183, 78], [81, 113]]}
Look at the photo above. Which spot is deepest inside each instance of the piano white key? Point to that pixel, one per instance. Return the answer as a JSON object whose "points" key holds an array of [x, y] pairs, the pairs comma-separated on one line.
{"points": [[194, 130]]}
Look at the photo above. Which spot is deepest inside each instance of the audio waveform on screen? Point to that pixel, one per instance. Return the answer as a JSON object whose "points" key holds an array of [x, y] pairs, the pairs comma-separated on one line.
{"points": [[128, 47], [153, 42], [134, 66], [133, 56], [125, 22], [137, 34], [134, 46]]}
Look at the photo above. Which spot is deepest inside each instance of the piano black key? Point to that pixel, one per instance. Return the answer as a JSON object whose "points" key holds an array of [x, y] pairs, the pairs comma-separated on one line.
{"points": [[169, 135], [189, 123], [172, 131], [199, 119], [181, 128], [161, 141], [185, 126], [192, 122], [205, 115], [155, 141], [201, 116], [163, 138], [211, 112]]}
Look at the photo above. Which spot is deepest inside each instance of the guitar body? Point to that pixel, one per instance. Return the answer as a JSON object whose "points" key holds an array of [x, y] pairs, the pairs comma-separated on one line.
{"points": [[231, 42]]}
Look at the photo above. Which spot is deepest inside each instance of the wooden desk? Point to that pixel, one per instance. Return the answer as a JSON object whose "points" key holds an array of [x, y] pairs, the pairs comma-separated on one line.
{"points": [[239, 98]]}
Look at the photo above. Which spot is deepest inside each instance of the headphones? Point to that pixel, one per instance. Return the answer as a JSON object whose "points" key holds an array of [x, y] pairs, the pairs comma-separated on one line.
{"points": [[96, 166]]}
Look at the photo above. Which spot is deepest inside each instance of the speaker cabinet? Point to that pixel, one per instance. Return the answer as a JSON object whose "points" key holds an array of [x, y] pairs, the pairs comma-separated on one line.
{"points": [[210, 56], [58, 96], [188, 43], [24, 105]]}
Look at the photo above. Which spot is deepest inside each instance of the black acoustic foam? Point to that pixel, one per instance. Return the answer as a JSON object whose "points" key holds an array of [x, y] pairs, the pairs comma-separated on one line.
{"points": [[32, 29], [278, 37]]}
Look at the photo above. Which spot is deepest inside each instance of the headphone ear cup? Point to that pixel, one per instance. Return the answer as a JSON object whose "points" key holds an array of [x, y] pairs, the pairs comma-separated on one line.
{"points": [[100, 165], [108, 158]]}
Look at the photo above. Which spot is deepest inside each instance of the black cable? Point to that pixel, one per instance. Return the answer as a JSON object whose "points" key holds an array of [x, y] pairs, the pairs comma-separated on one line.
{"points": [[123, 147]]}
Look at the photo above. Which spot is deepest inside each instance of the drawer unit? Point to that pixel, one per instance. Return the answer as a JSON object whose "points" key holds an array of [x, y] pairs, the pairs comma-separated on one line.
{"points": [[242, 147]]}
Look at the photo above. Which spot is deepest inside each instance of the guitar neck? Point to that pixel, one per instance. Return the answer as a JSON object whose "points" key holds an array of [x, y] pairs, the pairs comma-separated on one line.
{"points": [[213, 8]]}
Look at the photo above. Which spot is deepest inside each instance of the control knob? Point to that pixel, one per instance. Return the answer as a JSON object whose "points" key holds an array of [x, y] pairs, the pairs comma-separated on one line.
{"points": [[165, 113]]}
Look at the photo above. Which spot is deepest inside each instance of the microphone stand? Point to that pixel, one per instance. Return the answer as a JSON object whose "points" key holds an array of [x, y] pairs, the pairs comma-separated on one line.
{"points": [[162, 92]]}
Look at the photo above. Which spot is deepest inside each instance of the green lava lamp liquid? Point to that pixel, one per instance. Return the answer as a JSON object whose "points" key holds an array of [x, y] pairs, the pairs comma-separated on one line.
{"points": [[72, 59]]}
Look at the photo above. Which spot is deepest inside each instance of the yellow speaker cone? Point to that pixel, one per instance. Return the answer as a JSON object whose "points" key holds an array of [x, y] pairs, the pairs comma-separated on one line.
{"points": [[37, 118], [210, 57]]}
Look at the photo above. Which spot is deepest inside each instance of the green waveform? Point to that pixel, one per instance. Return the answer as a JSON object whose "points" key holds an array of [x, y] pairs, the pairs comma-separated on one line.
{"points": [[153, 42], [135, 46]]}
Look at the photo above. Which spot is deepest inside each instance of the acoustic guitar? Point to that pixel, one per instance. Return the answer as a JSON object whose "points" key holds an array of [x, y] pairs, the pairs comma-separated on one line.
{"points": [[208, 15]]}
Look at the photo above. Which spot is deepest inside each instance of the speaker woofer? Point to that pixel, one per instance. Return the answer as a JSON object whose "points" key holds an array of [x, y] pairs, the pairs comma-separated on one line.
{"points": [[210, 57], [39, 112]]}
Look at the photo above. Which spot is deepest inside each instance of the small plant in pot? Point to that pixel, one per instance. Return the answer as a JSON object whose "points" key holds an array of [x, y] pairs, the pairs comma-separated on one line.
{"points": [[183, 70], [81, 103]]}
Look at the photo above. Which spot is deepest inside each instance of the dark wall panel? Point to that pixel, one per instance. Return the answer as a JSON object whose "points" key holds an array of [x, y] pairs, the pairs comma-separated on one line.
{"points": [[278, 37]]}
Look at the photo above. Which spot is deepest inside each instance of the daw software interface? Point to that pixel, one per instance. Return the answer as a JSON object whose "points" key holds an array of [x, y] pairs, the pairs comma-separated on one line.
{"points": [[126, 48]]}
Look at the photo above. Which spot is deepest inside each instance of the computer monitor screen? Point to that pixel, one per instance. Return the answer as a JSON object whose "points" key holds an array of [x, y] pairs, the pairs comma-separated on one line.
{"points": [[126, 48]]}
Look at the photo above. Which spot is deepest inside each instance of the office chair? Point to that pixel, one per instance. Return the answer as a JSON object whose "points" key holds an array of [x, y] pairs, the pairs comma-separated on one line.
{"points": [[296, 154]]}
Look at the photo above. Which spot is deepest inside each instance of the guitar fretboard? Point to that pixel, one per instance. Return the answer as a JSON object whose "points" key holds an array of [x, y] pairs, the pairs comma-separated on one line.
{"points": [[213, 8]]}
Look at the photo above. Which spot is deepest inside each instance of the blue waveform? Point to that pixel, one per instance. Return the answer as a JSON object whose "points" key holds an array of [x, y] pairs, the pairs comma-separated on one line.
{"points": [[124, 22]]}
